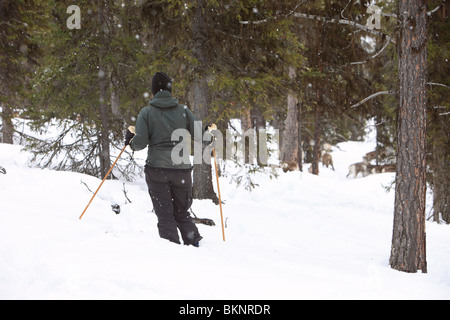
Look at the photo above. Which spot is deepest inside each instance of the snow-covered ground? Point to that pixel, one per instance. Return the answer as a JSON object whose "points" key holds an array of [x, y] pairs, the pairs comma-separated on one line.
{"points": [[296, 237]]}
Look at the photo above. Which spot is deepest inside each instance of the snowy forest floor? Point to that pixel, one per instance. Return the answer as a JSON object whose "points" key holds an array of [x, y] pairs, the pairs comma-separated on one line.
{"points": [[299, 236]]}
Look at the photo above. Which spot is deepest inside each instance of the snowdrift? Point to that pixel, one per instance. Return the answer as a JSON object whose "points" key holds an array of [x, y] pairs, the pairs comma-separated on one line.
{"points": [[296, 237]]}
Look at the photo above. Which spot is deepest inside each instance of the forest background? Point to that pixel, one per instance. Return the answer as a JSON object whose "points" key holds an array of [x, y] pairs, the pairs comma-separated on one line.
{"points": [[315, 70]]}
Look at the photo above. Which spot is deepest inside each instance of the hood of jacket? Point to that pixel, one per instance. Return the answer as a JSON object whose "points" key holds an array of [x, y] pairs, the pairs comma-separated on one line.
{"points": [[163, 100]]}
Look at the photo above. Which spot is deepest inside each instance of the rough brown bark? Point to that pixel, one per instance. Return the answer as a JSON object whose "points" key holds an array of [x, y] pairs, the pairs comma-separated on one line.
{"points": [[289, 151], [440, 166], [7, 125], [202, 174], [317, 142], [408, 252], [246, 124], [104, 151]]}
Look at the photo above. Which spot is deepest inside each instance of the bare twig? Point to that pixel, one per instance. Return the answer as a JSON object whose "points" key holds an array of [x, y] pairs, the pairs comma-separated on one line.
{"points": [[125, 193], [372, 57], [82, 182], [438, 84], [371, 97]]}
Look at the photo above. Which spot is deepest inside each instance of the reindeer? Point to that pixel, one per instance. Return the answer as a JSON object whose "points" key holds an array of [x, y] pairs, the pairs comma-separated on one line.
{"points": [[382, 154], [326, 147], [358, 167], [373, 169], [371, 155], [389, 168], [290, 166], [327, 160]]}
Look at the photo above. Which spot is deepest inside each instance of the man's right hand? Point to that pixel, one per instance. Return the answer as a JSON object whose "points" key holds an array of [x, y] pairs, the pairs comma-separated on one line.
{"points": [[129, 135], [210, 127]]}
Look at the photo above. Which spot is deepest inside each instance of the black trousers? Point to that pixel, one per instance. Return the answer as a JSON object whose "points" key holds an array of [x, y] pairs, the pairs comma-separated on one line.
{"points": [[171, 194]]}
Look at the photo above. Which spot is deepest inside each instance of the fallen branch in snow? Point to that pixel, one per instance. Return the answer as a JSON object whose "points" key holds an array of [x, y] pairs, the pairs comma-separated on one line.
{"points": [[82, 182], [205, 221], [125, 193]]}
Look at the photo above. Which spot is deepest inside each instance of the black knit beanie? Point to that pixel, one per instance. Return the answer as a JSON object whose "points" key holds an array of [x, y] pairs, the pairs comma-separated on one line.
{"points": [[161, 81]]}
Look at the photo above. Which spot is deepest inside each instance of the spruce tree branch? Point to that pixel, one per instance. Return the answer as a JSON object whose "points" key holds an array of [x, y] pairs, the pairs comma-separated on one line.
{"points": [[345, 22], [372, 57], [10, 24], [346, 6], [371, 97], [324, 20], [435, 9]]}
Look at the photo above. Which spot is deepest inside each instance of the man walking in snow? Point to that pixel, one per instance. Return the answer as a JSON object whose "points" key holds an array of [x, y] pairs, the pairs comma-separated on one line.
{"points": [[169, 184]]}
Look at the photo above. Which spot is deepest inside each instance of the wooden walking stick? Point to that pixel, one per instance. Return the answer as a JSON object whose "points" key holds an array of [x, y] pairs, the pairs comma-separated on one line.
{"points": [[106, 176], [218, 191], [211, 128]]}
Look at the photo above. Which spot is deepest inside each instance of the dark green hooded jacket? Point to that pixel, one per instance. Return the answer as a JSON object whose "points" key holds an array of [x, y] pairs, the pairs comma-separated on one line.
{"points": [[155, 126]]}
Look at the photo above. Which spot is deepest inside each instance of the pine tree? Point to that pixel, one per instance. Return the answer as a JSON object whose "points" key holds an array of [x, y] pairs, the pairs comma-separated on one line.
{"points": [[20, 26], [227, 69], [84, 75], [337, 72], [408, 251], [257, 70]]}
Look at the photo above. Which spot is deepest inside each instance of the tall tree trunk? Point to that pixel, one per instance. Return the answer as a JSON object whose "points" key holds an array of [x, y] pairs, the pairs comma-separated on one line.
{"points": [[317, 142], [246, 124], [438, 143], [440, 168], [259, 123], [300, 154], [440, 183], [289, 151], [202, 175], [104, 151], [408, 252], [115, 99], [7, 125]]}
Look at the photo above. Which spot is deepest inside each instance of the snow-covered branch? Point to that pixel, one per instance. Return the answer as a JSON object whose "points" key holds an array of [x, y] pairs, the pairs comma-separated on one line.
{"points": [[438, 84], [371, 97], [345, 22], [372, 57], [435, 9]]}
